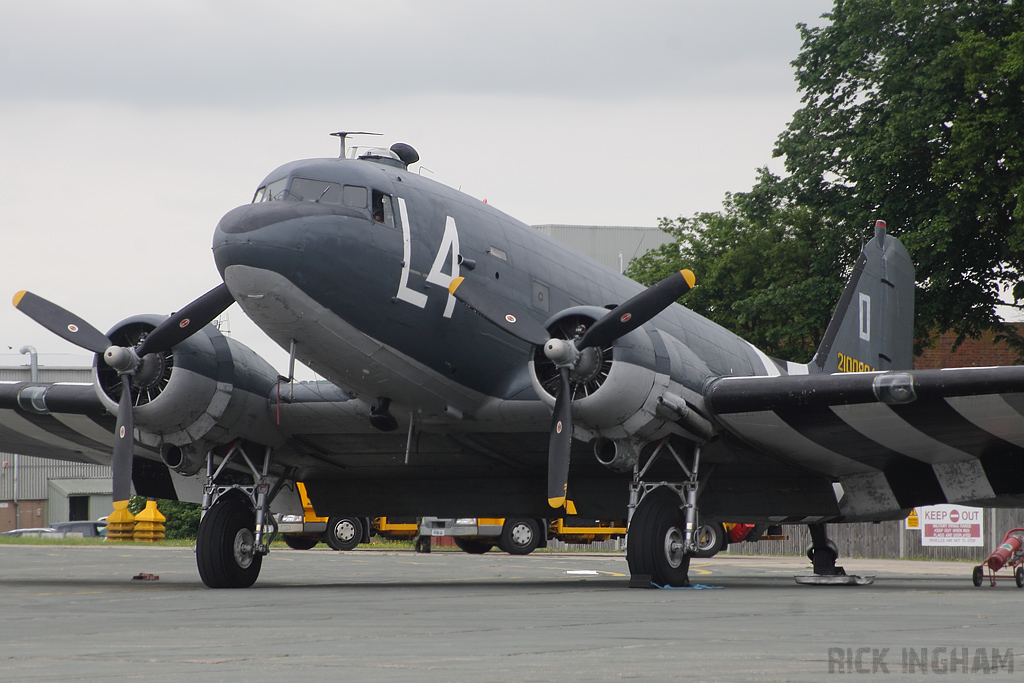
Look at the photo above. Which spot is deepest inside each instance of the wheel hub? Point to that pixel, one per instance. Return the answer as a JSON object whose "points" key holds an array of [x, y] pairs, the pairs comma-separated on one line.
{"points": [[674, 547], [522, 535], [344, 530], [243, 548]]}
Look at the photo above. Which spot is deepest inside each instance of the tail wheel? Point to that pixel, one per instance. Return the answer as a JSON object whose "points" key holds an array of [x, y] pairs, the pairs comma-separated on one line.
{"points": [[343, 533], [226, 545], [519, 536], [655, 539]]}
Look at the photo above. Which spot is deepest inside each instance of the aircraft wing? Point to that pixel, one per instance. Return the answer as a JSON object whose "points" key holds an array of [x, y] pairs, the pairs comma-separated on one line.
{"points": [[890, 439], [70, 424]]}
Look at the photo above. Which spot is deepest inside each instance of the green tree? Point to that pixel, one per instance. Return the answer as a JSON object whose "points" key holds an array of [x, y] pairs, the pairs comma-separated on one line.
{"points": [[766, 268], [913, 112], [182, 517]]}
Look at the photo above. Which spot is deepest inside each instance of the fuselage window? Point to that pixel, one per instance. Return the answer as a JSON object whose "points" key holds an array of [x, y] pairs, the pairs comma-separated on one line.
{"points": [[354, 196], [306, 190], [383, 209], [271, 192]]}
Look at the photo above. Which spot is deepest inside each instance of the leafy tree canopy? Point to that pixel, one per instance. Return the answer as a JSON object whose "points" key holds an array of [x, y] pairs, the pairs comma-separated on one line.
{"points": [[913, 112]]}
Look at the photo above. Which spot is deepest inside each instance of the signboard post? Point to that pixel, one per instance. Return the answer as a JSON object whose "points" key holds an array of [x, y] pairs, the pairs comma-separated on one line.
{"points": [[951, 525]]}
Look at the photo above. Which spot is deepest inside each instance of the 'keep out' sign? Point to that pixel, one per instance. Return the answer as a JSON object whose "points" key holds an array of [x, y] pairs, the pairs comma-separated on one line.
{"points": [[952, 525]]}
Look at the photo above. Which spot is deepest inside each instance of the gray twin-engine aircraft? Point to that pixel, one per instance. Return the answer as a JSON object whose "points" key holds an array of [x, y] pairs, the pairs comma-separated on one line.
{"points": [[477, 368]]}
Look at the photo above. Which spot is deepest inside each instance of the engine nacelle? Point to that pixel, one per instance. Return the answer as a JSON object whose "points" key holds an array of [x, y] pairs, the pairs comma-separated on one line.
{"points": [[615, 388], [207, 390]]}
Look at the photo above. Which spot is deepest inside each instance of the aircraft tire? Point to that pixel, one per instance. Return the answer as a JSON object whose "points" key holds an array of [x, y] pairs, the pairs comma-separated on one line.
{"points": [[519, 536], [224, 545], [300, 542], [657, 523], [343, 533], [472, 546], [710, 539]]}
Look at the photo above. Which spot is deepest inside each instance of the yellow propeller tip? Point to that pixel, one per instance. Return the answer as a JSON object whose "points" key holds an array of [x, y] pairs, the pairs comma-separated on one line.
{"points": [[557, 502], [688, 276], [455, 284], [17, 297]]}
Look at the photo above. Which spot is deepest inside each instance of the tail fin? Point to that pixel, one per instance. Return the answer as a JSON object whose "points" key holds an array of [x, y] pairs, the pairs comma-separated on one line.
{"points": [[873, 325]]}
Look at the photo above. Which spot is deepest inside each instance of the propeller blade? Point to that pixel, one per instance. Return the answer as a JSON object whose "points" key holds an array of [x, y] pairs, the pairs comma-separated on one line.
{"points": [[496, 310], [61, 322], [561, 442], [124, 443], [630, 315], [187, 321]]}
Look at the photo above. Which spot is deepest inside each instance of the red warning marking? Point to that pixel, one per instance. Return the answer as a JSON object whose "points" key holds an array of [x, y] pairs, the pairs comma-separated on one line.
{"points": [[558, 427], [184, 323], [72, 328], [625, 317], [122, 431], [511, 318]]}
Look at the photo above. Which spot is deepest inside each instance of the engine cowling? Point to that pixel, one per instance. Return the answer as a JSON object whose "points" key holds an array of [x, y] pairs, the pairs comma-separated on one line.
{"points": [[207, 390], [614, 388]]}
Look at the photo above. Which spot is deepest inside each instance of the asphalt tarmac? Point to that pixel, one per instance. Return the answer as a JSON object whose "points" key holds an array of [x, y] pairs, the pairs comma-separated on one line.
{"points": [[74, 613]]}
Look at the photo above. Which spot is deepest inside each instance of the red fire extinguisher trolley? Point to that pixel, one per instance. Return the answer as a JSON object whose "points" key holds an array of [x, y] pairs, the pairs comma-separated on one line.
{"points": [[1010, 553]]}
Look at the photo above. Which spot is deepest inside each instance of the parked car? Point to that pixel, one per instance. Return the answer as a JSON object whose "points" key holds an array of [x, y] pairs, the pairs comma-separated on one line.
{"points": [[87, 528], [31, 531]]}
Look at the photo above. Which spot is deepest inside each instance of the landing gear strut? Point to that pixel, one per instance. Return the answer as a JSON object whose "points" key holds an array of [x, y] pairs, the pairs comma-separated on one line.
{"points": [[233, 534], [662, 534]]}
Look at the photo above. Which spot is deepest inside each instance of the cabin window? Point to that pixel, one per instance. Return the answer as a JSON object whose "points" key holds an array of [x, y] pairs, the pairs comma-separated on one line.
{"points": [[382, 209], [271, 192], [306, 190], [354, 196]]}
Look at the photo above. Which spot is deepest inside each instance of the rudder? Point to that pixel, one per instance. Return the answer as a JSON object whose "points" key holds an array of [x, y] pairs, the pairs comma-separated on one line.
{"points": [[873, 325]]}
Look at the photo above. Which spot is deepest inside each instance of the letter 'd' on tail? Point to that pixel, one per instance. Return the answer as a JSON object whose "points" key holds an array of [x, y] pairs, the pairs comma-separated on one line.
{"points": [[873, 325]]}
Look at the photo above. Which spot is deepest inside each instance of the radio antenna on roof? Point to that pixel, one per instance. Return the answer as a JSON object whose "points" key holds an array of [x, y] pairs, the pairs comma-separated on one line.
{"points": [[345, 133]]}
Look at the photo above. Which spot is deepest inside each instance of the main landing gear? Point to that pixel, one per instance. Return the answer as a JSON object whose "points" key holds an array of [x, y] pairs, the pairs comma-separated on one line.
{"points": [[662, 536], [236, 527]]}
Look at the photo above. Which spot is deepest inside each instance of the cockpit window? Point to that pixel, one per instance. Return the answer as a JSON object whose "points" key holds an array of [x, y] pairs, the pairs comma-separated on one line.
{"points": [[306, 190], [383, 210], [271, 192], [354, 196]]}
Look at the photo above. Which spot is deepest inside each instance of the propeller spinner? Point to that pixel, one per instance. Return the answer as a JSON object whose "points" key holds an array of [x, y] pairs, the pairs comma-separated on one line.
{"points": [[126, 360], [566, 354]]}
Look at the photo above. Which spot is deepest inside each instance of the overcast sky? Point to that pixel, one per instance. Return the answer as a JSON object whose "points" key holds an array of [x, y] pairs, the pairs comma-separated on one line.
{"points": [[127, 129]]}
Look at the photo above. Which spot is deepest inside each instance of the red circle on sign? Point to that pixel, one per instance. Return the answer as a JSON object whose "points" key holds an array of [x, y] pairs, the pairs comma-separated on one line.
{"points": [[625, 317], [954, 516]]}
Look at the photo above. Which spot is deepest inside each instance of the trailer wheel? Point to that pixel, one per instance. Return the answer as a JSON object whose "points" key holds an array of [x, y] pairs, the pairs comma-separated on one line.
{"points": [[1018, 576], [977, 575], [519, 536], [343, 533], [300, 542], [468, 545], [710, 539]]}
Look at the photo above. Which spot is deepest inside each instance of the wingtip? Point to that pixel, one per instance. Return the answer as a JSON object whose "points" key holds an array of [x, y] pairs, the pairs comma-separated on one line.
{"points": [[688, 276], [557, 502], [17, 297], [455, 284]]}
